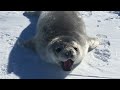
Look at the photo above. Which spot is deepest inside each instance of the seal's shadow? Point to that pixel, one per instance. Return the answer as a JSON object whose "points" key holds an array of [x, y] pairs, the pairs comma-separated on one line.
{"points": [[26, 64]]}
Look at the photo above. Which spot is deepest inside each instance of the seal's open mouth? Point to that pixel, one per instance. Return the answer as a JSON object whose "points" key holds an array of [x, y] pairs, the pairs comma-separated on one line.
{"points": [[67, 65]]}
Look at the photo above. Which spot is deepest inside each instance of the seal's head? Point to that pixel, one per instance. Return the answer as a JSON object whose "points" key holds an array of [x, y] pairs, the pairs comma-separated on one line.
{"points": [[65, 51]]}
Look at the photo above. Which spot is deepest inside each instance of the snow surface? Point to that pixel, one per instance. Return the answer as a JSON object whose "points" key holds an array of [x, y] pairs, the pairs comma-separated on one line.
{"points": [[17, 62]]}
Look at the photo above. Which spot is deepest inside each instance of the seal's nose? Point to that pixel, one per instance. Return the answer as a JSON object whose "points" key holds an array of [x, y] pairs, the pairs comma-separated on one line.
{"points": [[69, 53]]}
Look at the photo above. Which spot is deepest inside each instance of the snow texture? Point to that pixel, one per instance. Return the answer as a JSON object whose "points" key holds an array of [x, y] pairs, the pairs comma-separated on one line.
{"points": [[17, 62]]}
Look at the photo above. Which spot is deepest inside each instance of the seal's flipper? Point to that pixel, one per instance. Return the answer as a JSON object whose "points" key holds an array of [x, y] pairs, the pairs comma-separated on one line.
{"points": [[93, 43], [29, 44]]}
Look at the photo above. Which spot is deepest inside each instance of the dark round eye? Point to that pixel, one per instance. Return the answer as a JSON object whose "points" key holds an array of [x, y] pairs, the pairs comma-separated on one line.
{"points": [[76, 49], [58, 49]]}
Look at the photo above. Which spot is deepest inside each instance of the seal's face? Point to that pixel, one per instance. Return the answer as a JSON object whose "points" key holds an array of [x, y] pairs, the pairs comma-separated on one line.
{"points": [[66, 53]]}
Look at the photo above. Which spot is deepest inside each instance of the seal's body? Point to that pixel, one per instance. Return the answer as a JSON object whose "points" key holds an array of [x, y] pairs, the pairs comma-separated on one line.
{"points": [[61, 38]]}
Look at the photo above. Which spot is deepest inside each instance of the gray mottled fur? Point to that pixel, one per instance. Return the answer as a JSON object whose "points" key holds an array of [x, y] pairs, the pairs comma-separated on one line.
{"points": [[55, 24]]}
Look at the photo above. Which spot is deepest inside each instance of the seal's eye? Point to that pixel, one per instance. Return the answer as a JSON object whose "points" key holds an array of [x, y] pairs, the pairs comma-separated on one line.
{"points": [[58, 49], [76, 49]]}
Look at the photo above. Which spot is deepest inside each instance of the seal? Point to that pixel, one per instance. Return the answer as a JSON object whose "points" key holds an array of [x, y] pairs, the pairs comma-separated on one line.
{"points": [[61, 38]]}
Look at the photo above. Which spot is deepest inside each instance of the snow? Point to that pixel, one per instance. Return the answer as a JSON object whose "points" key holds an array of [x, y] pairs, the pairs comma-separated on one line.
{"points": [[17, 62]]}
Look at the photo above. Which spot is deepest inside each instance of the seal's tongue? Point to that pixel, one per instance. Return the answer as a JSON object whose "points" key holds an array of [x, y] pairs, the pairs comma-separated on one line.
{"points": [[67, 65]]}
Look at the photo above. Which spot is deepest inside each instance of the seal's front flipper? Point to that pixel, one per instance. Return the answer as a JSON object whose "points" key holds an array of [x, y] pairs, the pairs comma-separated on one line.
{"points": [[28, 44], [93, 43]]}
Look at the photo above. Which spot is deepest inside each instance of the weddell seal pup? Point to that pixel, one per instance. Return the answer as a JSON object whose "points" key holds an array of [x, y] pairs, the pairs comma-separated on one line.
{"points": [[61, 38]]}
